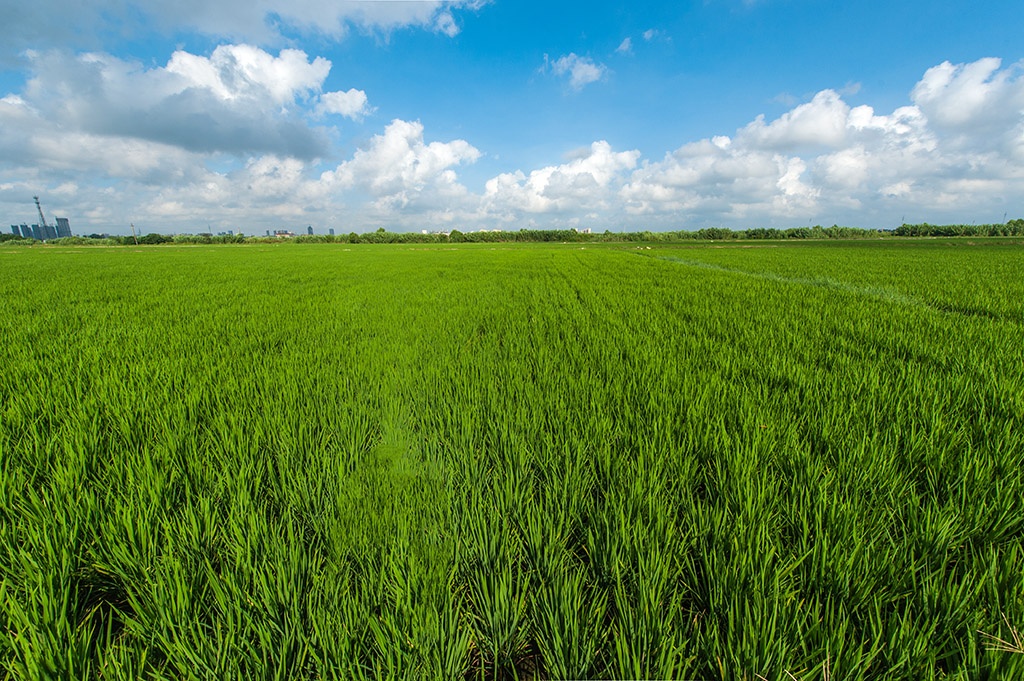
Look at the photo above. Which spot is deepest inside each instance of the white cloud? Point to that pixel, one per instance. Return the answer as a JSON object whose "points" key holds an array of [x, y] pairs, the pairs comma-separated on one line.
{"points": [[706, 177], [820, 122], [626, 46], [397, 177], [825, 160], [352, 104], [218, 138], [33, 145], [581, 70], [845, 169], [979, 93], [582, 183], [244, 72], [266, 192], [399, 169], [79, 23], [795, 196], [896, 190], [239, 100]]}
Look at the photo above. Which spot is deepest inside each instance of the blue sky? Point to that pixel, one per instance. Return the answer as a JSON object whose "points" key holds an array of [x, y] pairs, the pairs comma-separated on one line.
{"points": [[476, 114]]}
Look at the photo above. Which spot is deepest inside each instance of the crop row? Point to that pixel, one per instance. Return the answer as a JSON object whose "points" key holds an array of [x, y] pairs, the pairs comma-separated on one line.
{"points": [[536, 462]]}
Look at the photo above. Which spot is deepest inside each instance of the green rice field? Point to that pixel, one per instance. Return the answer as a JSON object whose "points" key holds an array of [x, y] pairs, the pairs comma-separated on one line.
{"points": [[702, 461]]}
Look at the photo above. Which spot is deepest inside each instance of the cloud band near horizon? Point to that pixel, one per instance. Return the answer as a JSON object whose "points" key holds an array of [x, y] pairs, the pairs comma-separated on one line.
{"points": [[243, 136]]}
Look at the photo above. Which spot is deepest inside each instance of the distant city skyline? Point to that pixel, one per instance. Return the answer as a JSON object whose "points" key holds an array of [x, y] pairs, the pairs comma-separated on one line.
{"points": [[485, 114]]}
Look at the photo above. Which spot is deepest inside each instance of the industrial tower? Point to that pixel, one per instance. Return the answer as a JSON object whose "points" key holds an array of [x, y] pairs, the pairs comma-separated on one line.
{"points": [[42, 218], [48, 231], [45, 230]]}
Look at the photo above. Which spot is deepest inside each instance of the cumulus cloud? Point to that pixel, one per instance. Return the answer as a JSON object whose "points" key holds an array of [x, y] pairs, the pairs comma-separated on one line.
{"points": [[709, 176], [582, 183], [398, 176], [400, 169], [976, 107], [352, 104], [239, 100], [256, 18], [34, 145], [77, 23], [243, 72], [581, 71], [820, 122], [266, 192], [954, 96], [955, 149]]}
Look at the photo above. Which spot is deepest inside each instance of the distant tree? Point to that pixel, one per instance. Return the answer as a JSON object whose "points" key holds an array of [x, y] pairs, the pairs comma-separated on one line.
{"points": [[716, 233], [380, 236], [154, 238]]}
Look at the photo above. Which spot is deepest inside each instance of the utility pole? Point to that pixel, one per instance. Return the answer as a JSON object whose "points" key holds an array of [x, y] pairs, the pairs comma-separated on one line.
{"points": [[133, 233]]}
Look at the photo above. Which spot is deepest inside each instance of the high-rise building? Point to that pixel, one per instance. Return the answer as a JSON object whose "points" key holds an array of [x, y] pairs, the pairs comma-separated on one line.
{"points": [[63, 227], [14, 230], [37, 233], [26, 232], [331, 230], [49, 232], [309, 230]]}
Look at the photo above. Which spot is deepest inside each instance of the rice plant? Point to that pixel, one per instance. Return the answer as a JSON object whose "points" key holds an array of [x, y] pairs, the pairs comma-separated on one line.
{"points": [[527, 461]]}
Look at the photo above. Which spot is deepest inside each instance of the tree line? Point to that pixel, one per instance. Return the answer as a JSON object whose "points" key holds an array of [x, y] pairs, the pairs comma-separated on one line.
{"points": [[382, 236]]}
